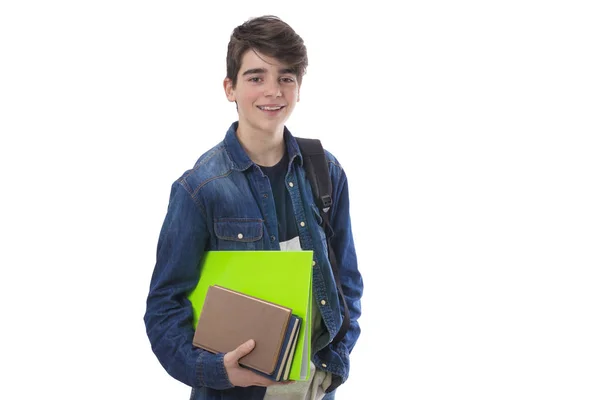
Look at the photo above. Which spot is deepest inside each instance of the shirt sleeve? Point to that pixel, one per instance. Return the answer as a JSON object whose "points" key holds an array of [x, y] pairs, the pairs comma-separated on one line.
{"points": [[343, 244], [168, 318]]}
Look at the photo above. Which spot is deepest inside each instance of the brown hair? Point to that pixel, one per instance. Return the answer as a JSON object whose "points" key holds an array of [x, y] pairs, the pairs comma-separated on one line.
{"points": [[270, 36]]}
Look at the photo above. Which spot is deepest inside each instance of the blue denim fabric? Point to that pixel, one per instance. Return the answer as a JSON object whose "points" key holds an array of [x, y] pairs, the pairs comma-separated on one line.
{"points": [[223, 195]]}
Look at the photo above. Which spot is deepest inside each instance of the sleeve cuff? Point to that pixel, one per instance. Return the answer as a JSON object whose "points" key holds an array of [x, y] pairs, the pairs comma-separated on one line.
{"points": [[211, 372]]}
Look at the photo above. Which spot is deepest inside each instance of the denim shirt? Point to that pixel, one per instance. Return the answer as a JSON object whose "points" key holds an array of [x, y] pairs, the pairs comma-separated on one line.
{"points": [[225, 203]]}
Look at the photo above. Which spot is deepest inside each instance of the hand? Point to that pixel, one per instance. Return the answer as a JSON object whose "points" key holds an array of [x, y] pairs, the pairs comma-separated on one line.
{"points": [[240, 376]]}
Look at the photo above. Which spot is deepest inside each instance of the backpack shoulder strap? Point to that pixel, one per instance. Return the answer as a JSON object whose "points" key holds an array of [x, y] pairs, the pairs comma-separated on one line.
{"points": [[317, 170], [315, 165]]}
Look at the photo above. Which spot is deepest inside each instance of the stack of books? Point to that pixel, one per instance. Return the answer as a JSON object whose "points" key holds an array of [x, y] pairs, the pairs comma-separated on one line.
{"points": [[236, 288], [230, 318]]}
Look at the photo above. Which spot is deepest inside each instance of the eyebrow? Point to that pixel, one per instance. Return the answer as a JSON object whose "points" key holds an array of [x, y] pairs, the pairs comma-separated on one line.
{"points": [[264, 71]]}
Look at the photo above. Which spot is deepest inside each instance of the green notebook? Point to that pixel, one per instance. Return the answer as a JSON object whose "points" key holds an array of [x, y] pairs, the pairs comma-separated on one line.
{"points": [[282, 277]]}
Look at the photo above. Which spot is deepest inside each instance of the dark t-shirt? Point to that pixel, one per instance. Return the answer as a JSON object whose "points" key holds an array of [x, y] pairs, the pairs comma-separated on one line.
{"points": [[283, 202]]}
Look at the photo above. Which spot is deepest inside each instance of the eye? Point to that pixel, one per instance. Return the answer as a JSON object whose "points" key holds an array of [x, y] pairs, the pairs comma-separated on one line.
{"points": [[254, 79], [288, 79]]}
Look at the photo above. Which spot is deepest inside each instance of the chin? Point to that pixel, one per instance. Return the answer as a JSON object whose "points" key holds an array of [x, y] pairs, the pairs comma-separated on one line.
{"points": [[270, 125]]}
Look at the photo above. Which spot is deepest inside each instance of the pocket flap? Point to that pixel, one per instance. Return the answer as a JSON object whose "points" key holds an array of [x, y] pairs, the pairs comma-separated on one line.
{"points": [[239, 229]]}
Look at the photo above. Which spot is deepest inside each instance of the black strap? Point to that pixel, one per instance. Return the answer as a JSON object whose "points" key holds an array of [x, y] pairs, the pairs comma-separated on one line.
{"points": [[315, 165]]}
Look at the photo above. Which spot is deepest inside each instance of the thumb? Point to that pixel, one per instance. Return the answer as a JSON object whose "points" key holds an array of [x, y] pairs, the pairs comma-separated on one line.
{"points": [[244, 349]]}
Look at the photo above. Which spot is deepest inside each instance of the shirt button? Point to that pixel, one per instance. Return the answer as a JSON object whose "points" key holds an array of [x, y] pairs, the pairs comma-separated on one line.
{"points": [[265, 195], [314, 263], [302, 224], [323, 302], [272, 238], [240, 236], [324, 365], [291, 184]]}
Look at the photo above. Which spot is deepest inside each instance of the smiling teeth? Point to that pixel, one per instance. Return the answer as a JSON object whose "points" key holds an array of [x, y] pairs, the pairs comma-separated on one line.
{"points": [[270, 108]]}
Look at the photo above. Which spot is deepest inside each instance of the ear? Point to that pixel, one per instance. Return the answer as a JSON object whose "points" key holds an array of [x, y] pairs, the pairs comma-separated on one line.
{"points": [[298, 96], [229, 91]]}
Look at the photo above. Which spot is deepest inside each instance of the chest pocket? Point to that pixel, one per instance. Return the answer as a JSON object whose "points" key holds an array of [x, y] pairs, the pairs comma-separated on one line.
{"points": [[239, 233]]}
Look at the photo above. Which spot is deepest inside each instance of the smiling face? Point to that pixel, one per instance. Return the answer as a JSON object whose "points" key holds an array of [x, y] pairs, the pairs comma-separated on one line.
{"points": [[266, 93]]}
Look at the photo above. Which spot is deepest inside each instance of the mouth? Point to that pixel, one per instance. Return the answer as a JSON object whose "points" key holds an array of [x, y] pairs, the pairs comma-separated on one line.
{"points": [[271, 110]]}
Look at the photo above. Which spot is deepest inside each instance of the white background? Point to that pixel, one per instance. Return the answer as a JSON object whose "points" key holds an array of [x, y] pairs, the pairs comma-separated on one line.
{"points": [[469, 132]]}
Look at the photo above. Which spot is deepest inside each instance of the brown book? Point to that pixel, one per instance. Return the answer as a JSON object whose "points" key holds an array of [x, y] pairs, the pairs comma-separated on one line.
{"points": [[229, 318]]}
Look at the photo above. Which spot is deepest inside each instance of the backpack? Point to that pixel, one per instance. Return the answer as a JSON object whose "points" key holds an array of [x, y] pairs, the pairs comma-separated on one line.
{"points": [[317, 171]]}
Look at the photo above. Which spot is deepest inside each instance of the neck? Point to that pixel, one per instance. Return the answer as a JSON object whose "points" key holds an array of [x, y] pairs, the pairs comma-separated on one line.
{"points": [[263, 148]]}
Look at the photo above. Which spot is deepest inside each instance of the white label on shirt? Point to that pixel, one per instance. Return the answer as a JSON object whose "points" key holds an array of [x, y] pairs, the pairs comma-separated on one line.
{"points": [[291, 245]]}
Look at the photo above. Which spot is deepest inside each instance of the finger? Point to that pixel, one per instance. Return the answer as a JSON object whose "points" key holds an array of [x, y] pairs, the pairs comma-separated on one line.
{"points": [[243, 349], [253, 378], [262, 381]]}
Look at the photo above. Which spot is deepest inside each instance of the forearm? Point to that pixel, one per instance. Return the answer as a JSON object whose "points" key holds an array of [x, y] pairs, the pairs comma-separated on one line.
{"points": [[170, 332], [350, 276], [352, 286]]}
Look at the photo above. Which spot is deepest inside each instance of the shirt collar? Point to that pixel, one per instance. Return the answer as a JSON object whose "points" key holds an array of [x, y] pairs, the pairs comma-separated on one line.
{"points": [[239, 157]]}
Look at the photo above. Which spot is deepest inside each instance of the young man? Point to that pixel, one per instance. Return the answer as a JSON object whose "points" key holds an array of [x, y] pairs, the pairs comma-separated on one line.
{"points": [[250, 192]]}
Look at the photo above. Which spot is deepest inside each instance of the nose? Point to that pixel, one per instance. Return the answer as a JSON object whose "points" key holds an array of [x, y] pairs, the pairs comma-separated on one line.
{"points": [[272, 88]]}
